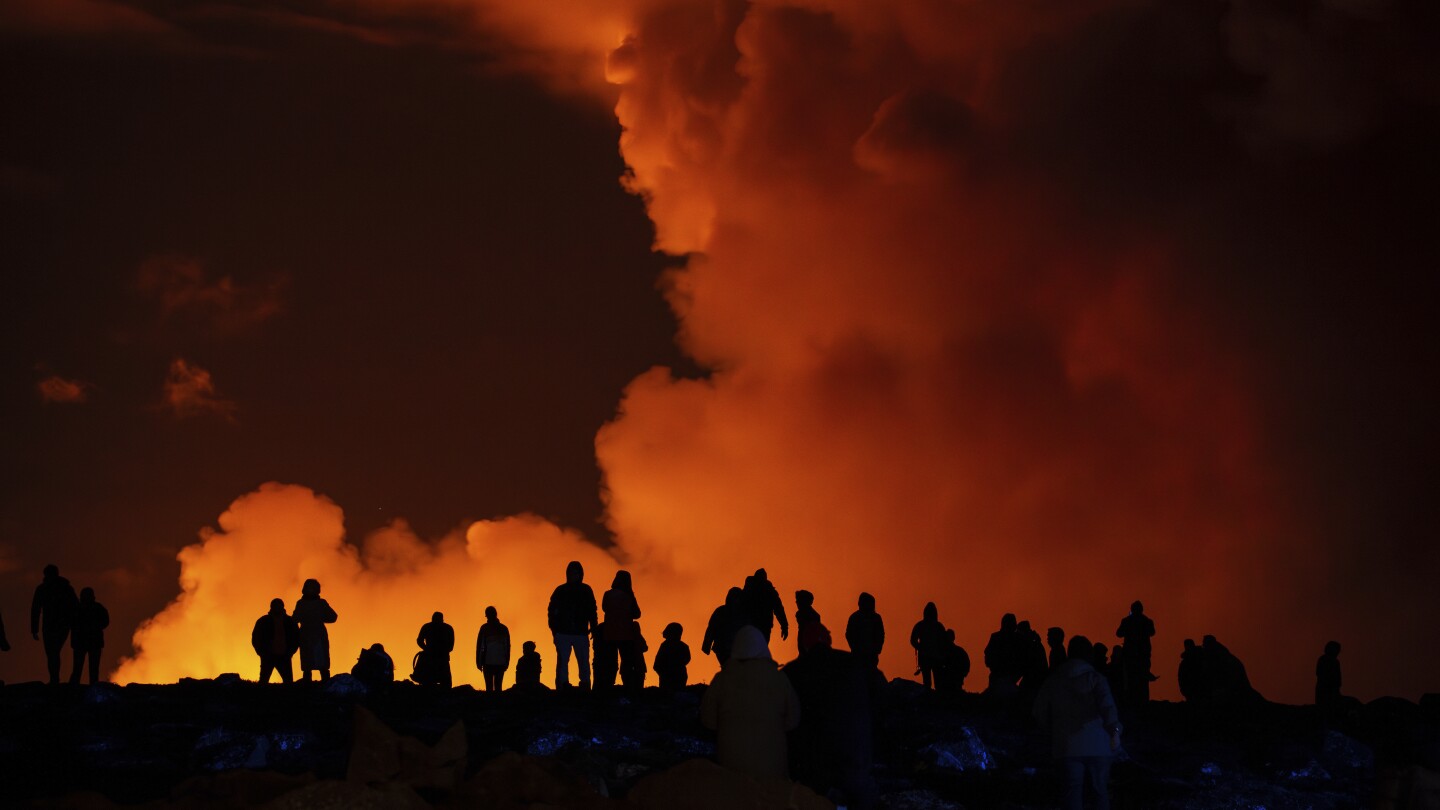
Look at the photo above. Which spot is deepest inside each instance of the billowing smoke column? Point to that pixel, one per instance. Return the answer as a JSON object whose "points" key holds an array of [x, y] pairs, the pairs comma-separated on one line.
{"points": [[955, 357]]}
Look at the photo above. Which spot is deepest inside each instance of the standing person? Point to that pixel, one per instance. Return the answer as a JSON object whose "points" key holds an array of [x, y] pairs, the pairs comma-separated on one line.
{"points": [[928, 639], [672, 659], [87, 638], [275, 639], [1136, 629], [954, 666], [1327, 676], [725, 621], [805, 613], [573, 618], [1055, 637], [53, 607], [620, 637], [312, 613], [751, 706], [865, 632], [436, 640], [764, 606], [1076, 708], [492, 651], [1003, 657]]}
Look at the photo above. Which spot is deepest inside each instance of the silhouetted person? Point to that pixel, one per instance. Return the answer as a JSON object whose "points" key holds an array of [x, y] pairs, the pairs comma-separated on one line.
{"points": [[672, 659], [954, 665], [53, 608], [1003, 657], [1034, 665], [1136, 630], [805, 612], [1327, 676], [1191, 674], [617, 644], [763, 605], [1055, 637], [312, 613], [374, 668], [832, 750], [275, 638], [751, 706], [1076, 708], [928, 639], [492, 651], [437, 641], [87, 638], [865, 632], [1100, 657], [725, 621], [573, 618], [1115, 671], [527, 669]]}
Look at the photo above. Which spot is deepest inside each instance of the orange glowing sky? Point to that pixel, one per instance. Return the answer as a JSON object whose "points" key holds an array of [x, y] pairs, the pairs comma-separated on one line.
{"points": [[1008, 308]]}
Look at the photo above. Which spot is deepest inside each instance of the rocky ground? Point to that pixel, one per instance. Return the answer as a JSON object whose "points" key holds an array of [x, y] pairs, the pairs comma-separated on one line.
{"points": [[231, 743]]}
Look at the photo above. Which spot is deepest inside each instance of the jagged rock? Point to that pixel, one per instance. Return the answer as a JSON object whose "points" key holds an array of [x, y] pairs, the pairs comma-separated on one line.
{"points": [[102, 694], [512, 782], [964, 753], [917, 800], [699, 784], [378, 754]]}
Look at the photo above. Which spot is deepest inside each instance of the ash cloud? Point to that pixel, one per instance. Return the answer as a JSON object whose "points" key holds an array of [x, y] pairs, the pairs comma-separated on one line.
{"points": [[190, 392], [64, 391]]}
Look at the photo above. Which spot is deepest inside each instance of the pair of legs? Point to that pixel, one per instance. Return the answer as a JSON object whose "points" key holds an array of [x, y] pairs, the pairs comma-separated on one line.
{"points": [[276, 663], [494, 679], [324, 675], [54, 648], [565, 644], [1076, 770], [80, 656]]}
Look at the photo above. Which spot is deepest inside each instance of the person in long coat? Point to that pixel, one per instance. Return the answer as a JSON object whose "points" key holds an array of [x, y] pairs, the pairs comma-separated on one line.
{"points": [[312, 613], [492, 651], [87, 637], [620, 637], [1077, 709], [751, 706]]}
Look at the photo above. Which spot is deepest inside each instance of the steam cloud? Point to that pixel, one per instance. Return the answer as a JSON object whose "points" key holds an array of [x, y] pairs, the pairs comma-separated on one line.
{"points": [[963, 349]]}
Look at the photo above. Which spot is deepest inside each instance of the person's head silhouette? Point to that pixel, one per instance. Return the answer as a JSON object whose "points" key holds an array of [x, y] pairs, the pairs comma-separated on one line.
{"points": [[867, 603], [574, 572], [491, 614], [437, 617], [310, 588], [277, 605], [52, 571]]}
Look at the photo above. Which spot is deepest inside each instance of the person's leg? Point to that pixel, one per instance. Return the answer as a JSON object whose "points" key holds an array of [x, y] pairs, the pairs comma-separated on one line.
{"points": [[267, 665], [563, 643], [1098, 769], [286, 668], [1072, 773], [54, 649], [925, 676], [582, 660], [79, 657], [95, 665], [500, 681], [324, 675]]}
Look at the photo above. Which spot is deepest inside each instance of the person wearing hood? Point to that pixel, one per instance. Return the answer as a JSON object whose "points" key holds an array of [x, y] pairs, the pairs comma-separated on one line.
{"points": [[573, 618], [928, 639], [312, 613], [751, 706], [88, 637], [275, 638], [53, 609], [1076, 708], [724, 622], [619, 637], [763, 605], [865, 632], [492, 650]]}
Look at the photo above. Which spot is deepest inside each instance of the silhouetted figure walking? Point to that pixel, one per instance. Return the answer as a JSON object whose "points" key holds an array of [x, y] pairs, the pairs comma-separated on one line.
{"points": [[312, 613], [1136, 630], [1055, 637], [1327, 677], [1191, 675], [617, 644], [53, 608], [805, 612], [87, 638], [865, 632], [928, 639], [954, 665], [1003, 657], [832, 749], [1076, 708], [432, 663], [763, 605], [725, 621], [492, 651], [374, 668], [672, 659], [573, 618], [275, 638], [751, 706], [527, 669]]}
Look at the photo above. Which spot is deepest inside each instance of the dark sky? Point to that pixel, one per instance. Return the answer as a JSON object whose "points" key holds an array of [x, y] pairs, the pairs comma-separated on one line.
{"points": [[381, 250]]}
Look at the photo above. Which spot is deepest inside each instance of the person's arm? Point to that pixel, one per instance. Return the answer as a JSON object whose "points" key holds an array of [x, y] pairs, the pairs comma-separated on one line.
{"points": [[103, 614], [35, 605], [592, 615], [480, 649], [779, 609], [329, 616], [4, 642], [879, 634]]}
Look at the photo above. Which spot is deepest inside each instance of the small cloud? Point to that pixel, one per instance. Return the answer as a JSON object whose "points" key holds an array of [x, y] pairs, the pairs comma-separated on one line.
{"points": [[184, 288], [60, 390], [189, 391]]}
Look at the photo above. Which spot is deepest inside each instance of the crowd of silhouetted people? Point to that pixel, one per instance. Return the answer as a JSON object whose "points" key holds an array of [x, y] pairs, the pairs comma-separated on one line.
{"points": [[814, 719]]}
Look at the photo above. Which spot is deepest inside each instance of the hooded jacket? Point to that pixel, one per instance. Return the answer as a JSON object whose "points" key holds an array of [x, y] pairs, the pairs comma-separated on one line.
{"points": [[1076, 707], [751, 705], [572, 605]]}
